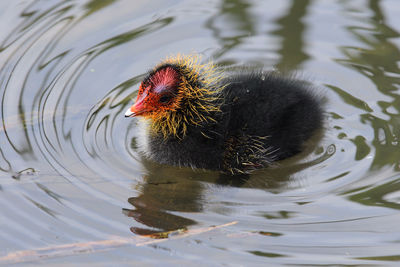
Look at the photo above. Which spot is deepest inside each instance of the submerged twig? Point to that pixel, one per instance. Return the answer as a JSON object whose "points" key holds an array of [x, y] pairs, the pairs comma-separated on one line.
{"points": [[96, 246]]}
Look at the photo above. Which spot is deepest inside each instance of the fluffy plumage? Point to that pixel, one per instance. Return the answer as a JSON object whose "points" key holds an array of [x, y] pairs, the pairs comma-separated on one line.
{"points": [[235, 124]]}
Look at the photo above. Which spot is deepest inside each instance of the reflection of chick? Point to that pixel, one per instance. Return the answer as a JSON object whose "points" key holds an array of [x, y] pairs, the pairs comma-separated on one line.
{"points": [[165, 197], [235, 124]]}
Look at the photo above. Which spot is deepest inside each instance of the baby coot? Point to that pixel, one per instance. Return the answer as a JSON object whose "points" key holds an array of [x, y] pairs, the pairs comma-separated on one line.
{"points": [[198, 117]]}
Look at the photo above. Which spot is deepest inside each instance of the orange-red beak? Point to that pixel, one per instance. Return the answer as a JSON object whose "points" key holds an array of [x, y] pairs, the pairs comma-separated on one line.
{"points": [[130, 112], [137, 108]]}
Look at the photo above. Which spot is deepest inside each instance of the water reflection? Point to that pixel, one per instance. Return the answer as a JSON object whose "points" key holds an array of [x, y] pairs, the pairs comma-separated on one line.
{"points": [[167, 190], [377, 59], [238, 25], [292, 31]]}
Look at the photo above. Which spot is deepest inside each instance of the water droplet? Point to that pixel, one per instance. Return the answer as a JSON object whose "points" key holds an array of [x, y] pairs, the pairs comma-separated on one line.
{"points": [[331, 149]]}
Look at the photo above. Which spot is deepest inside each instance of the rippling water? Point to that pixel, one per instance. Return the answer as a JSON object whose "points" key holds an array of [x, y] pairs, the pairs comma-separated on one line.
{"points": [[74, 189]]}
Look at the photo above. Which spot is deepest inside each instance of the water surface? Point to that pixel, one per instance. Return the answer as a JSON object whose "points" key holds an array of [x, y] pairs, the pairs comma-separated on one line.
{"points": [[74, 189]]}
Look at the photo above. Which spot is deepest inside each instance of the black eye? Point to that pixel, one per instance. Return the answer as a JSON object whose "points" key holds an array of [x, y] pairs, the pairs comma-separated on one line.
{"points": [[165, 98]]}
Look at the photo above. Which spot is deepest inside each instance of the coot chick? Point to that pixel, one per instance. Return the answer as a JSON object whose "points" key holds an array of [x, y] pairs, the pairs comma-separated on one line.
{"points": [[197, 117]]}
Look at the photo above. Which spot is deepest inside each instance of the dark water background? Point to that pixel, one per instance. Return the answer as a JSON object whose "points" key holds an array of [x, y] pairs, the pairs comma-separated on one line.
{"points": [[71, 179]]}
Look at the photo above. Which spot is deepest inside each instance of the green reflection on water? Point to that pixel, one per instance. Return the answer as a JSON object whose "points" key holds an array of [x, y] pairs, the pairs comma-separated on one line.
{"points": [[292, 30], [375, 196], [266, 254], [378, 63], [382, 258], [241, 25]]}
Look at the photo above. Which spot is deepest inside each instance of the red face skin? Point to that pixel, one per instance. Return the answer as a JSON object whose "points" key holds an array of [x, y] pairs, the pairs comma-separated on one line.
{"points": [[156, 94]]}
